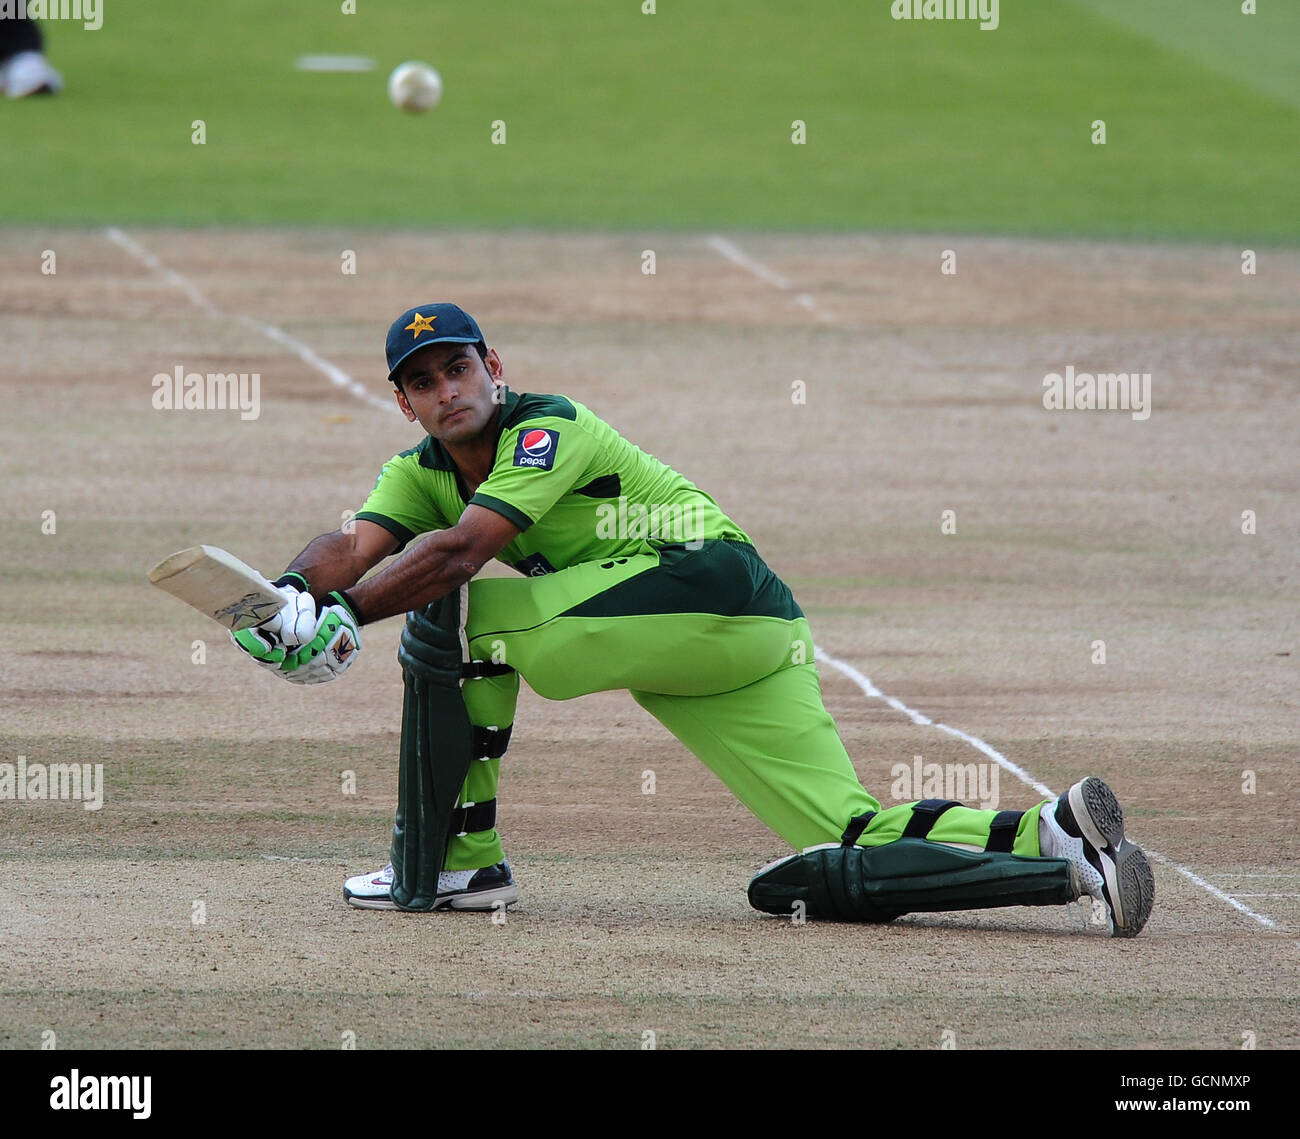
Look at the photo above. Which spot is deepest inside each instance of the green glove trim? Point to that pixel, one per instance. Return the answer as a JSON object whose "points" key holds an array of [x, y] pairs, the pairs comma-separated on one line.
{"points": [[253, 645], [341, 597]]}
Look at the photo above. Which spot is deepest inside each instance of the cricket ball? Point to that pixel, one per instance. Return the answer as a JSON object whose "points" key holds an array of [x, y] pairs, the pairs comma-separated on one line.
{"points": [[414, 86]]}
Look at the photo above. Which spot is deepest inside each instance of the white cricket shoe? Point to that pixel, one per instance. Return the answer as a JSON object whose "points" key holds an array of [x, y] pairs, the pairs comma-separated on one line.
{"points": [[1086, 827], [30, 73], [484, 889]]}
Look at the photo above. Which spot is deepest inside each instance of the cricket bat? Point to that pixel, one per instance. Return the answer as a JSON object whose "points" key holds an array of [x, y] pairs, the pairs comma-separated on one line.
{"points": [[218, 584]]}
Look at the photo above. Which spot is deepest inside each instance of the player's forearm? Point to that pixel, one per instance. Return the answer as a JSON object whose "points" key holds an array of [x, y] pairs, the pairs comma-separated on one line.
{"points": [[330, 562], [439, 564]]}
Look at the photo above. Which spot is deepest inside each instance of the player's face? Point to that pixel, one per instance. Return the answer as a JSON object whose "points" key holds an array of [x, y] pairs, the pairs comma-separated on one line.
{"points": [[450, 390]]}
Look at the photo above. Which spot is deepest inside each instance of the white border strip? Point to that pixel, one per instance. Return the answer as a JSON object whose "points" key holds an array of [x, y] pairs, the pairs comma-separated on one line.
{"points": [[336, 375], [869, 689]]}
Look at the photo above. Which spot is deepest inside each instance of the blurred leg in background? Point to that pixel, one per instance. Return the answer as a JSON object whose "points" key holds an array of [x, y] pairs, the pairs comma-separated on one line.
{"points": [[24, 70]]}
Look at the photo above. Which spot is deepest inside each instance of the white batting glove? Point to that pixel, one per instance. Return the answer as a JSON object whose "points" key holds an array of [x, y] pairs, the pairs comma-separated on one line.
{"points": [[334, 645], [294, 624]]}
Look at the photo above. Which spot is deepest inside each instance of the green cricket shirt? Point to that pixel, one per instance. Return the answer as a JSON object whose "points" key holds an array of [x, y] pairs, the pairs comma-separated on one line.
{"points": [[577, 489]]}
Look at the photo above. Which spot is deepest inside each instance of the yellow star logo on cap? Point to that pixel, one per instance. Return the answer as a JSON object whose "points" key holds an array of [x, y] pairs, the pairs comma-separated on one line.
{"points": [[420, 324]]}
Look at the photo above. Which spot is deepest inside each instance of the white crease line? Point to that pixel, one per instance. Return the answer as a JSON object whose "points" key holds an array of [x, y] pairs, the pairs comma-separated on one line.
{"points": [[140, 253], [761, 271], [1192, 876], [1268, 895], [732, 252], [869, 689], [336, 375], [332, 372]]}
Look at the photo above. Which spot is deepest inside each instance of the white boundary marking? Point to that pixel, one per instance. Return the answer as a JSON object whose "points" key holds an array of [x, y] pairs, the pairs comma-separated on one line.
{"points": [[870, 690], [732, 252], [336, 375]]}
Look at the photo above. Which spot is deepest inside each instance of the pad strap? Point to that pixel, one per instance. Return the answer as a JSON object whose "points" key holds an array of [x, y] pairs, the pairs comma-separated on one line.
{"points": [[1002, 831], [478, 669], [474, 817], [491, 743], [856, 826], [925, 814]]}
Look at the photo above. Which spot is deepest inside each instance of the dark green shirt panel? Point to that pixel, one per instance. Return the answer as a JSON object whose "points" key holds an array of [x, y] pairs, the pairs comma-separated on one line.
{"points": [[509, 513]]}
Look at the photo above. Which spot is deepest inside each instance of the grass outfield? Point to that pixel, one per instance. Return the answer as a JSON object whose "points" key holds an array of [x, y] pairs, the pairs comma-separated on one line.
{"points": [[683, 118]]}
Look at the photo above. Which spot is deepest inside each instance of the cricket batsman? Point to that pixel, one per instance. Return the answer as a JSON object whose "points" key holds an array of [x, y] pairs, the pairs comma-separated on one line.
{"points": [[631, 578]]}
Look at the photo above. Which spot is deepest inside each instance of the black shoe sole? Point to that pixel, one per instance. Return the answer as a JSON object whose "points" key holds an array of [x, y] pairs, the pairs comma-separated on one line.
{"points": [[1136, 888], [1091, 810]]}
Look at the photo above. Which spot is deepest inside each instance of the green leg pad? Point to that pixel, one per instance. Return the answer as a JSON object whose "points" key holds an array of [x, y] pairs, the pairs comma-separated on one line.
{"points": [[910, 875], [436, 751]]}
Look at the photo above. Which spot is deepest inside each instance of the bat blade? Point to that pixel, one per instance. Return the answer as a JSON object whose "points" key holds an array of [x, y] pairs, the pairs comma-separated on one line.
{"points": [[219, 585]]}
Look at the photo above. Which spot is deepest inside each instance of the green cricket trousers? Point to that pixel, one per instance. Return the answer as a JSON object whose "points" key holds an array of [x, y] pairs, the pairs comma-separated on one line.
{"points": [[711, 643]]}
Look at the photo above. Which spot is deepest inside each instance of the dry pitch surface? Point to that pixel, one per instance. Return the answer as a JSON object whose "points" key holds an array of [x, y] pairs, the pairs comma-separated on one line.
{"points": [[224, 787]]}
